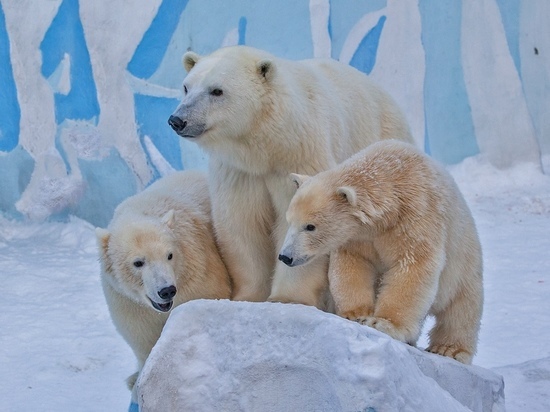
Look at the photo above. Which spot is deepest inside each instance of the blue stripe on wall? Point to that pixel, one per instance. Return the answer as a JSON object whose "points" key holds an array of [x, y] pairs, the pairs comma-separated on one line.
{"points": [[156, 39], [509, 11], [329, 26], [427, 148], [449, 128], [242, 31], [109, 178], [9, 106], [152, 118], [66, 35], [16, 168], [344, 15], [364, 58]]}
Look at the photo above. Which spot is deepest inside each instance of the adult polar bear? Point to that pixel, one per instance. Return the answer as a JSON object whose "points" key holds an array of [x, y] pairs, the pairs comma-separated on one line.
{"points": [[259, 118]]}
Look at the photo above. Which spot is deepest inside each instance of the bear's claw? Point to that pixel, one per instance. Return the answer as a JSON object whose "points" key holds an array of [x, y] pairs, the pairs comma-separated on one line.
{"points": [[452, 351]]}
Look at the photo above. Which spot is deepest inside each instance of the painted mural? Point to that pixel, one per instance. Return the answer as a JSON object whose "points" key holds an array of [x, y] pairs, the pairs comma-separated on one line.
{"points": [[87, 85]]}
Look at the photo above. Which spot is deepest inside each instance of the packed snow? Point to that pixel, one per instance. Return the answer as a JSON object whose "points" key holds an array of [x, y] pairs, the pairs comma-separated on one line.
{"points": [[297, 358], [60, 351]]}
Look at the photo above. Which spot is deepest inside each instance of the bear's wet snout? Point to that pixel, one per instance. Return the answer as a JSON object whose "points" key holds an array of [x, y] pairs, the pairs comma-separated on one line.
{"points": [[168, 292], [177, 123], [286, 260]]}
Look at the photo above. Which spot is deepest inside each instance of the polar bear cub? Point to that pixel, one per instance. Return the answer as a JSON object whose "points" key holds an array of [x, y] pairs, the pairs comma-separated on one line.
{"points": [[402, 245], [157, 253]]}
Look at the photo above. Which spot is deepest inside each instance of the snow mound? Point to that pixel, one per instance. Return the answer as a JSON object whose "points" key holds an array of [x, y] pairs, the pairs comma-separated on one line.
{"points": [[522, 189], [529, 382], [242, 356]]}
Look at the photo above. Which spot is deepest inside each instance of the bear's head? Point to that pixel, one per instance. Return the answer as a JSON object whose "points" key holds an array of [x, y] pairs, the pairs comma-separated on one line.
{"points": [[140, 259], [322, 216], [222, 94]]}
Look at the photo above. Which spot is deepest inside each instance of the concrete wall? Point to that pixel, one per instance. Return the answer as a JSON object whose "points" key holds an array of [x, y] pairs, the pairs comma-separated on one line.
{"points": [[87, 85]]}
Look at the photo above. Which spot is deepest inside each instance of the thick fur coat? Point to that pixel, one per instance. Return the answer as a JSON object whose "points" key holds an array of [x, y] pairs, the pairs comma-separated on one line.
{"points": [[158, 252], [402, 245], [259, 118]]}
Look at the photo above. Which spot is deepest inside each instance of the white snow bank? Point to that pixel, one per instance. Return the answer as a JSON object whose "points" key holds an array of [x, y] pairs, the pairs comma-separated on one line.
{"points": [[242, 356], [529, 382], [521, 189]]}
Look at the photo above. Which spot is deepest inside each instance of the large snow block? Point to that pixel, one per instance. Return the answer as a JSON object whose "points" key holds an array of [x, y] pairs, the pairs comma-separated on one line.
{"points": [[241, 356]]}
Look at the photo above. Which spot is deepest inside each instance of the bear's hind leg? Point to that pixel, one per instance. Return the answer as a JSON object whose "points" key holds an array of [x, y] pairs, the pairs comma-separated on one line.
{"points": [[456, 329]]}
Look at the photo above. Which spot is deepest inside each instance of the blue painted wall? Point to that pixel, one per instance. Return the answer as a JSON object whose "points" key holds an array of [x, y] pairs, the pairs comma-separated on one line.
{"points": [[66, 36], [9, 107], [450, 133], [283, 28]]}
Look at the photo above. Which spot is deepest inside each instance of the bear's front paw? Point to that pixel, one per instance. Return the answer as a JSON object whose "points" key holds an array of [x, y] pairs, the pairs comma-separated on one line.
{"points": [[386, 326], [279, 300], [360, 314], [452, 351]]}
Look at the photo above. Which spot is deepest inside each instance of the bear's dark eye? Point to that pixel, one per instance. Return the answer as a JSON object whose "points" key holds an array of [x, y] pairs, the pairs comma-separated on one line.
{"points": [[310, 227], [170, 256], [216, 92], [138, 263], [185, 89]]}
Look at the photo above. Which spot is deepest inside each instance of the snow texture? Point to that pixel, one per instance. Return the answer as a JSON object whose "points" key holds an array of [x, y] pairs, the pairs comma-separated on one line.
{"points": [[59, 350], [242, 356]]}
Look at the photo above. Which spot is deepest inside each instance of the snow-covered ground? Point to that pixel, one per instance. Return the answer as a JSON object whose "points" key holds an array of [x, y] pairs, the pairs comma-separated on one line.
{"points": [[60, 352]]}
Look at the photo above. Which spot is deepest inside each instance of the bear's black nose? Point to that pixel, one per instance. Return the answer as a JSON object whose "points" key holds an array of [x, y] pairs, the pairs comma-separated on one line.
{"points": [[286, 260], [176, 123], [168, 292]]}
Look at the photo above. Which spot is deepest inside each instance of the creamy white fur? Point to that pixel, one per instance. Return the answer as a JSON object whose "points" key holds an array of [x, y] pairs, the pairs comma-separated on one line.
{"points": [[275, 117], [402, 245], [168, 228]]}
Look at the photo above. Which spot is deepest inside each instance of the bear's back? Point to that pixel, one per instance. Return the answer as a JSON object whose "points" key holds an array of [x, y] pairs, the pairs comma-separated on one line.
{"points": [[364, 112], [415, 183], [185, 192]]}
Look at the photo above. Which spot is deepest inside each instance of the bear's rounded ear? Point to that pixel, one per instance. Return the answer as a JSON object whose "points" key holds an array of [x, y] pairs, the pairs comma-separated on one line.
{"points": [[169, 218], [298, 179], [102, 237], [266, 69], [348, 193], [190, 59]]}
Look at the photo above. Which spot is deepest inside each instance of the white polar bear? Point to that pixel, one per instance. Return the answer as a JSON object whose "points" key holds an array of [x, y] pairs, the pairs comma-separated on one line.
{"points": [[158, 252], [259, 118], [402, 244]]}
